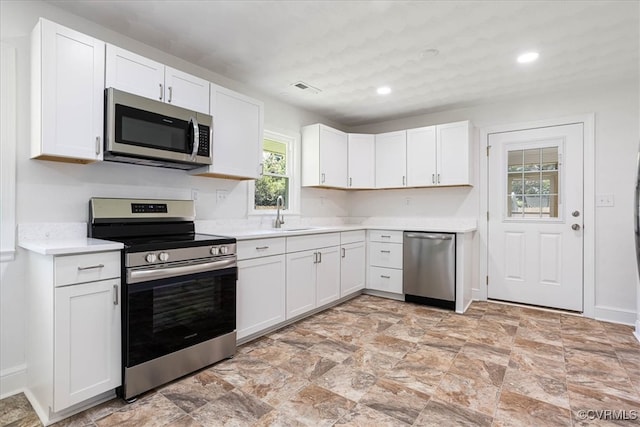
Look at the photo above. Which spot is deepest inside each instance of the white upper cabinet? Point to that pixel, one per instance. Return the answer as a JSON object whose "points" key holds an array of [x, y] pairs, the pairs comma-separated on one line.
{"points": [[130, 72], [454, 153], [324, 157], [361, 160], [421, 157], [238, 130], [67, 94], [391, 159]]}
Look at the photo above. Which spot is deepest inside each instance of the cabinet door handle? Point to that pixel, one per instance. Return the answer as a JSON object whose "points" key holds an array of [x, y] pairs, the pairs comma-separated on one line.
{"points": [[385, 277], [385, 252], [344, 252], [438, 178], [433, 178], [261, 169], [170, 95], [97, 145], [322, 179], [261, 247], [115, 294], [404, 180], [315, 257], [319, 257], [350, 182], [91, 267], [161, 92]]}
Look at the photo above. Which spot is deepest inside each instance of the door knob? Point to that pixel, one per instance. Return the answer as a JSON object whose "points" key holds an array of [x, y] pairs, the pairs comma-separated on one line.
{"points": [[575, 213], [575, 227]]}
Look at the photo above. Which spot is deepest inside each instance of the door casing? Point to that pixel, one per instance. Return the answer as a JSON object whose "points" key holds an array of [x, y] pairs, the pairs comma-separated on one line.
{"points": [[588, 120]]}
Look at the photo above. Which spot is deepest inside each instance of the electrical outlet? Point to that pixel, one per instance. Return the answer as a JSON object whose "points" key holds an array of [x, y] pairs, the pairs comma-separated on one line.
{"points": [[221, 196], [604, 200], [407, 201]]}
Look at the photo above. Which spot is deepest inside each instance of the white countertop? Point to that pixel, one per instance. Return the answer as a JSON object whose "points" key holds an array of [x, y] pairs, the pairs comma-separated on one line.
{"points": [[300, 231], [70, 246]]}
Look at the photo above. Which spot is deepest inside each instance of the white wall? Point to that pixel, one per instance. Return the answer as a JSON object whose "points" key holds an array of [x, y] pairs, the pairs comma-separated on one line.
{"points": [[55, 192], [616, 138]]}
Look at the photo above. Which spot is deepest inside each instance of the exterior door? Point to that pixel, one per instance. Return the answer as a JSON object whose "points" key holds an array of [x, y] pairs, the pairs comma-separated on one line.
{"points": [[535, 248]]}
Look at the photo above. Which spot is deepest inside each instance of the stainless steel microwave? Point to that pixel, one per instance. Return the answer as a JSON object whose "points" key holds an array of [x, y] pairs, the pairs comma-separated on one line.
{"points": [[148, 132]]}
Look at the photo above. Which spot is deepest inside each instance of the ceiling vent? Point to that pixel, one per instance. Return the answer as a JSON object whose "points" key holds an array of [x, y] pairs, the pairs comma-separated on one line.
{"points": [[306, 87]]}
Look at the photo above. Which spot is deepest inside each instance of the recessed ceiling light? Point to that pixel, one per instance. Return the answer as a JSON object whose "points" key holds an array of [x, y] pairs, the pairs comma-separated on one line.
{"points": [[384, 90], [528, 57]]}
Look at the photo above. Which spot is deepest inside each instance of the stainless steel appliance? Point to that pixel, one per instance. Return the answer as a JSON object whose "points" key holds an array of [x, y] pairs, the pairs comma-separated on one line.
{"points": [[178, 289], [636, 205], [152, 133], [429, 268]]}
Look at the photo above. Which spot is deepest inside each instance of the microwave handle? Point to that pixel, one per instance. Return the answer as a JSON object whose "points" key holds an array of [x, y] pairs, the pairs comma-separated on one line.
{"points": [[196, 137]]}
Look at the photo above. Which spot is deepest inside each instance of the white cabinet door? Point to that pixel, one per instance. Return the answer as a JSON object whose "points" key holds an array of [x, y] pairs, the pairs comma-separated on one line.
{"points": [[391, 159], [261, 294], [130, 72], [67, 94], [238, 130], [328, 276], [87, 341], [454, 167], [186, 91], [352, 268], [421, 157], [333, 157], [301, 282], [361, 160]]}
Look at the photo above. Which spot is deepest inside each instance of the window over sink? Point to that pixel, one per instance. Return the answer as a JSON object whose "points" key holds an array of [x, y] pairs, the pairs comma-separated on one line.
{"points": [[278, 175]]}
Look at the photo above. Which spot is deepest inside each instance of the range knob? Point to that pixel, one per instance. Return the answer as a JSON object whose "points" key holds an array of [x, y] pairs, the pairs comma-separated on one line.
{"points": [[224, 250], [215, 250], [151, 258], [164, 257]]}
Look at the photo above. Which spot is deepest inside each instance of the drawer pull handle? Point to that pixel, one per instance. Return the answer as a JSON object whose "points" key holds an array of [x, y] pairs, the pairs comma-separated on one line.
{"points": [[258, 248], [385, 252], [384, 236], [91, 267], [385, 277]]}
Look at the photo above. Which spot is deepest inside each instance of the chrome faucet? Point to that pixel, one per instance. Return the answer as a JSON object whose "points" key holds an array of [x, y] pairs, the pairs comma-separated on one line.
{"points": [[279, 217]]}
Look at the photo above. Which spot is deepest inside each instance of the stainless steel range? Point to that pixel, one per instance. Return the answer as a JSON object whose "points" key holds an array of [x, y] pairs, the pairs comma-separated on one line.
{"points": [[179, 289]]}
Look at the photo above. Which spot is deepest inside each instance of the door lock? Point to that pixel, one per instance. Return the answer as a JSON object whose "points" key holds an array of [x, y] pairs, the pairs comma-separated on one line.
{"points": [[575, 227]]}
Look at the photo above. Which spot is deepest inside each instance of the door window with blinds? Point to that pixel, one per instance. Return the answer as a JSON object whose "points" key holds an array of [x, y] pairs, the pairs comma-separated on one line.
{"points": [[533, 182]]}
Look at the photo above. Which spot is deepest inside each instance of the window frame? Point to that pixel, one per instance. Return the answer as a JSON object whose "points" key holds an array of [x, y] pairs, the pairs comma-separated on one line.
{"points": [[293, 173]]}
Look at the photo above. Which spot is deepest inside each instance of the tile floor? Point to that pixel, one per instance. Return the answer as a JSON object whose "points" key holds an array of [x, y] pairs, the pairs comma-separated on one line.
{"points": [[378, 362]]}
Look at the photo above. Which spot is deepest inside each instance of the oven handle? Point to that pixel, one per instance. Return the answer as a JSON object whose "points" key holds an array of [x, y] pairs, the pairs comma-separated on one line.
{"points": [[148, 274]]}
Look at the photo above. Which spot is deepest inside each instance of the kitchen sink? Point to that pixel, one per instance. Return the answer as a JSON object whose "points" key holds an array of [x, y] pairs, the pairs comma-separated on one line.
{"points": [[297, 229]]}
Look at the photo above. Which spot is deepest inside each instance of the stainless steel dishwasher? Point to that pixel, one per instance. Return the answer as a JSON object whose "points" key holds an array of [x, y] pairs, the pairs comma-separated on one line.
{"points": [[429, 268]]}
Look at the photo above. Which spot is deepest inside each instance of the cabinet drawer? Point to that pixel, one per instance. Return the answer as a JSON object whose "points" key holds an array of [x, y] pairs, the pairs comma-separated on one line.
{"points": [[385, 254], [260, 247], [312, 241], [385, 279], [352, 236], [390, 236], [86, 267]]}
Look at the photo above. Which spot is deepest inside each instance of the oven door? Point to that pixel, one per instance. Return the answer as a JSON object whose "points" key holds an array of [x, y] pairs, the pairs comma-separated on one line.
{"points": [[167, 314]]}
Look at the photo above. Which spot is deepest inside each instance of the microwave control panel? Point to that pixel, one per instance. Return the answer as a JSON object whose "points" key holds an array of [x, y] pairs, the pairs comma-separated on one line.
{"points": [[204, 145]]}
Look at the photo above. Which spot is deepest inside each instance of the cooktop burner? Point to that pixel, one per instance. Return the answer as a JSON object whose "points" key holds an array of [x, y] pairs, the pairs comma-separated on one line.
{"points": [[149, 243]]}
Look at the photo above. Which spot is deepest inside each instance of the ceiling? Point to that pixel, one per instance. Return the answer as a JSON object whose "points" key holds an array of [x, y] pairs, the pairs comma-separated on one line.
{"points": [[347, 49]]}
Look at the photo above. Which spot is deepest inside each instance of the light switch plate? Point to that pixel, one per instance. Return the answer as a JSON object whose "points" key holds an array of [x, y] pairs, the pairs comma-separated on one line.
{"points": [[604, 200]]}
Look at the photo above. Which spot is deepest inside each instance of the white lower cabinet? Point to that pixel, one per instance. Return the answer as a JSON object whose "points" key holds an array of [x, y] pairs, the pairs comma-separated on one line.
{"points": [[352, 261], [73, 347], [260, 294], [313, 272], [87, 341], [385, 261]]}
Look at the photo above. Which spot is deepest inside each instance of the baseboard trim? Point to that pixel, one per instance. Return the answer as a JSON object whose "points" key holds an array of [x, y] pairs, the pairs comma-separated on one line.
{"points": [[637, 331], [476, 295], [616, 315], [13, 380]]}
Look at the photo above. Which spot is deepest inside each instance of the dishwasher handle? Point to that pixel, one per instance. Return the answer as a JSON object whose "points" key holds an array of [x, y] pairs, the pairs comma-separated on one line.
{"points": [[428, 236]]}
